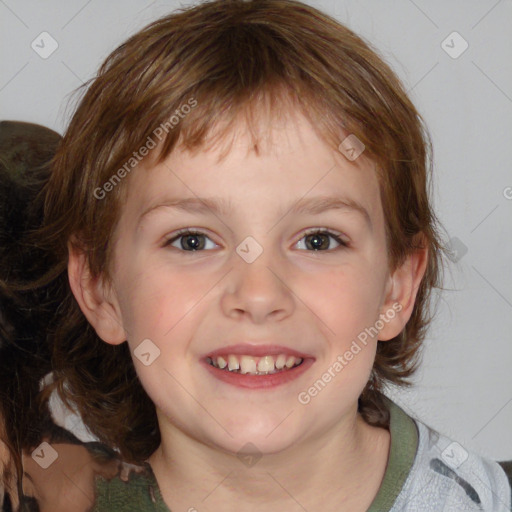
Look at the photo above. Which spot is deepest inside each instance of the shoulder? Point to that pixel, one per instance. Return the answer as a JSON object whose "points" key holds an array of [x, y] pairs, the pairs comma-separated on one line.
{"points": [[507, 467], [133, 488], [446, 476]]}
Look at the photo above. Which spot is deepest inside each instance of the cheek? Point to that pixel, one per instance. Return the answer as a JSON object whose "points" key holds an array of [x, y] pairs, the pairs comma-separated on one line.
{"points": [[347, 307], [346, 300], [162, 305], [156, 300]]}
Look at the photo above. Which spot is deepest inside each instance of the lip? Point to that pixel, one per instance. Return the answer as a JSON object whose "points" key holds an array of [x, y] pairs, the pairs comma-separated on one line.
{"points": [[247, 381], [242, 349]]}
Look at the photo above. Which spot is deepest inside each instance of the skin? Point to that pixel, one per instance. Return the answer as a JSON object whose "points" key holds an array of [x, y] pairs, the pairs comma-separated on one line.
{"points": [[319, 456], [68, 483], [7, 469]]}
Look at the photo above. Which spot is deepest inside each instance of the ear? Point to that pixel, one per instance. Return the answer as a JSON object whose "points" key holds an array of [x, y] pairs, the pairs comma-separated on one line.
{"points": [[402, 289], [98, 304]]}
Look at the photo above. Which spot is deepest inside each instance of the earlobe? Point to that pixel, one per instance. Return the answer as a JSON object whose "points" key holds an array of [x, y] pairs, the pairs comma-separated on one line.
{"points": [[98, 305], [401, 296]]}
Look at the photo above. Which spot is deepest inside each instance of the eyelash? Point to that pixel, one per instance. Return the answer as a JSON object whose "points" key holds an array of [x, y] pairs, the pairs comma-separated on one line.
{"points": [[324, 231]]}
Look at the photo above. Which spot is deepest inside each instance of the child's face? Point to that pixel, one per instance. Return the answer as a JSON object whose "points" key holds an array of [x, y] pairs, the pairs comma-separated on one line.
{"points": [[191, 304]]}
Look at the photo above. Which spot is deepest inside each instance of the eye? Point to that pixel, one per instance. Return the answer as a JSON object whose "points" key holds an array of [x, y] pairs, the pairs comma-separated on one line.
{"points": [[189, 240], [319, 240]]}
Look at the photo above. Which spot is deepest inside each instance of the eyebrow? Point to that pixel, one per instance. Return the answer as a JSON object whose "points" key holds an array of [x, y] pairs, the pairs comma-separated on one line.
{"points": [[221, 206]]}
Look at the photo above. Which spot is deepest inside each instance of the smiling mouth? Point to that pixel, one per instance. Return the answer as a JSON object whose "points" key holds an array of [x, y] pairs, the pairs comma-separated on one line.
{"points": [[249, 365]]}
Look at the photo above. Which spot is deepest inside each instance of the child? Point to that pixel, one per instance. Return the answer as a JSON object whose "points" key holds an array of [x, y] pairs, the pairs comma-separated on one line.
{"points": [[242, 201]]}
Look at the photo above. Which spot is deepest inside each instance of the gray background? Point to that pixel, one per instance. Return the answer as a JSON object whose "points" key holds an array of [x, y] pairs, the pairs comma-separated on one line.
{"points": [[464, 388]]}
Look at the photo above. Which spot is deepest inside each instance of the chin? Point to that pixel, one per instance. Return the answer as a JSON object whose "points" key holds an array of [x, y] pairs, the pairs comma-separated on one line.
{"points": [[263, 437]]}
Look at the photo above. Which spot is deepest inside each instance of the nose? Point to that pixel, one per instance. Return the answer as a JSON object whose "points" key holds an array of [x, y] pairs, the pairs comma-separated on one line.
{"points": [[259, 291]]}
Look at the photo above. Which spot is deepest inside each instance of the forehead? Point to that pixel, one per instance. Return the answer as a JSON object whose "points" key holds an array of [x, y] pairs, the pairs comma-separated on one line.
{"points": [[291, 162]]}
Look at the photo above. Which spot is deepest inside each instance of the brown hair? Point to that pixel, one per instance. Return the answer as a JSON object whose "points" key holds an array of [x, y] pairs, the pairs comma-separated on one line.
{"points": [[232, 58], [26, 312]]}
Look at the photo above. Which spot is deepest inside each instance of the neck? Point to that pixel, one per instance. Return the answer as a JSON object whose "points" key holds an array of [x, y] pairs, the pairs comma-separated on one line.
{"points": [[344, 466]]}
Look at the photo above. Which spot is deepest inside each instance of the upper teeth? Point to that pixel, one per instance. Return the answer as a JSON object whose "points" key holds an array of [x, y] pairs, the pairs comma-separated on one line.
{"points": [[254, 365]]}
